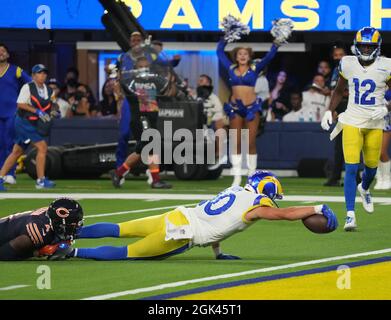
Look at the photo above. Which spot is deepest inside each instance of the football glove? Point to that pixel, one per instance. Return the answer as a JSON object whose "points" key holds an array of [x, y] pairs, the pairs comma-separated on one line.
{"points": [[48, 250], [379, 113], [42, 115], [332, 222], [62, 252], [327, 120], [223, 256]]}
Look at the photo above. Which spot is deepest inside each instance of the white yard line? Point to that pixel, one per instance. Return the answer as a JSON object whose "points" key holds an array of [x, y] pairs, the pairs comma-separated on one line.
{"points": [[125, 196], [168, 196], [233, 275], [18, 286], [135, 211]]}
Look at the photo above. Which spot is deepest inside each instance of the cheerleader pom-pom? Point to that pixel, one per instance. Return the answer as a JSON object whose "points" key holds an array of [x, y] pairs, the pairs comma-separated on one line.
{"points": [[281, 30], [234, 29]]}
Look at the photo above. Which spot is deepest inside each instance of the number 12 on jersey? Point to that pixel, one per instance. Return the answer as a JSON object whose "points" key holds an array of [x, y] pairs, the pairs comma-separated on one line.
{"points": [[370, 87]]}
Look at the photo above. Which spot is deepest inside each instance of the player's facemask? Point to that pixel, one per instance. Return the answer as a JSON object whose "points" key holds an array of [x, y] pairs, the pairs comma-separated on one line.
{"points": [[66, 216], [367, 44], [66, 231], [367, 52]]}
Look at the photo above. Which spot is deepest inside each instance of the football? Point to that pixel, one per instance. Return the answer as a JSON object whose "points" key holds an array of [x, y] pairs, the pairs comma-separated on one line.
{"points": [[316, 223]]}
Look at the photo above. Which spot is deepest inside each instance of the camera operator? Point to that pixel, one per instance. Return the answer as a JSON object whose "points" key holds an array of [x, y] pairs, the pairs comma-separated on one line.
{"points": [[142, 86], [213, 111]]}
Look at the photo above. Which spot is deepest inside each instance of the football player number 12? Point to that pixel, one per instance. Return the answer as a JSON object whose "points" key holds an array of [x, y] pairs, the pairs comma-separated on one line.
{"points": [[370, 87]]}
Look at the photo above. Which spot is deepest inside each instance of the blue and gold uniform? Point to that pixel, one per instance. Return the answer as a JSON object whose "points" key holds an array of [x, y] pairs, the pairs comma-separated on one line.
{"points": [[367, 74], [178, 230]]}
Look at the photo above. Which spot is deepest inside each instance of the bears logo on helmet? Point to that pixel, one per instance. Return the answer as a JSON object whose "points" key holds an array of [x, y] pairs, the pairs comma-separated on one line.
{"points": [[66, 216]]}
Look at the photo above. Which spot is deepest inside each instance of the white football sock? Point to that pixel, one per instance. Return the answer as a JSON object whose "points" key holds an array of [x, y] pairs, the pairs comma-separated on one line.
{"points": [[385, 167], [236, 171], [351, 214], [252, 163]]}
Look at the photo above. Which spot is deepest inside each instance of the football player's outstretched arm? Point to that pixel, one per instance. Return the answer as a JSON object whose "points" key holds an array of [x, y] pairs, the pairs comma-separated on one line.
{"points": [[291, 213]]}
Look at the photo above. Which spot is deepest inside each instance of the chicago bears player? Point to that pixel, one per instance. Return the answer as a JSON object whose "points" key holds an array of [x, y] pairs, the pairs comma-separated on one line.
{"points": [[42, 232], [231, 211], [368, 76]]}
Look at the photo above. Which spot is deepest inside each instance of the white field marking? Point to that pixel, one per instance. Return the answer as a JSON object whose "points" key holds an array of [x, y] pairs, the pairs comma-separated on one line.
{"points": [[232, 275], [167, 196], [124, 196], [135, 211], [18, 286]]}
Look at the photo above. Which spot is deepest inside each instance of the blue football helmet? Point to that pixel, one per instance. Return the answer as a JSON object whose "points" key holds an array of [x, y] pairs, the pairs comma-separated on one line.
{"points": [[367, 36], [264, 182]]}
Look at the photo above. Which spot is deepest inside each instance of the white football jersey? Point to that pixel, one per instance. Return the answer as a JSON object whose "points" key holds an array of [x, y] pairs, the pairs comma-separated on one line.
{"points": [[367, 86], [214, 220]]}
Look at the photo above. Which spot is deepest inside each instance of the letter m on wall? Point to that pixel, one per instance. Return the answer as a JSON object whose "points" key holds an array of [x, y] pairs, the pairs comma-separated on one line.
{"points": [[253, 9]]}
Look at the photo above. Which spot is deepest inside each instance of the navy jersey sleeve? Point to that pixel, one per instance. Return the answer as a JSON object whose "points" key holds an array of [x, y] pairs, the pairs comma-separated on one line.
{"points": [[221, 54], [39, 230], [266, 60]]}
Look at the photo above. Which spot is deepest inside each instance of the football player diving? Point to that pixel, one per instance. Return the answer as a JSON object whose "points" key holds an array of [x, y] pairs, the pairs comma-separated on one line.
{"points": [[367, 75], [211, 221], [42, 232]]}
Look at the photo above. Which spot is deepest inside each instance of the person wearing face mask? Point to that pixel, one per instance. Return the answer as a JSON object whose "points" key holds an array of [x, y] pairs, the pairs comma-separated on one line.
{"points": [[32, 125], [315, 99], [213, 111]]}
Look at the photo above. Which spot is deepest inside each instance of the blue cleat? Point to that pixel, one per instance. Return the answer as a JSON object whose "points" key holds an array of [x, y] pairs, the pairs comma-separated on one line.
{"points": [[44, 183], [2, 188]]}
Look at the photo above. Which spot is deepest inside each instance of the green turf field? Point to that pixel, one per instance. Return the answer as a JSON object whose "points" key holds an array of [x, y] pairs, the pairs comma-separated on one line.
{"points": [[265, 244]]}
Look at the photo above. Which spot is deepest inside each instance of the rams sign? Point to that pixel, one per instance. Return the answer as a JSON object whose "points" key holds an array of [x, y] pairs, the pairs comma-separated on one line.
{"points": [[201, 15]]}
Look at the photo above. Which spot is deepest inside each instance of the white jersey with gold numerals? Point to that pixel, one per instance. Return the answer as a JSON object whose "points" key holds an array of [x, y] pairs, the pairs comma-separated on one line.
{"points": [[367, 86], [214, 220]]}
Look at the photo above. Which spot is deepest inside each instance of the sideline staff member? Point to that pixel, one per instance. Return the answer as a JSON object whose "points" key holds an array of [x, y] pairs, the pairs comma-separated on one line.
{"points": [[31, 125]]}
